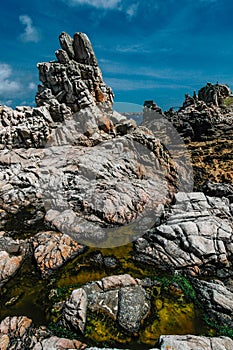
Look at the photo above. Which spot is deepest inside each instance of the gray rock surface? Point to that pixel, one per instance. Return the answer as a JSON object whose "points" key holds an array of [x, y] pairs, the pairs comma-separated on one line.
{"points": [[18, 333], [191, 342], [12, 255], [203, 117], [121, 297], [196, 237], [217, 301]]}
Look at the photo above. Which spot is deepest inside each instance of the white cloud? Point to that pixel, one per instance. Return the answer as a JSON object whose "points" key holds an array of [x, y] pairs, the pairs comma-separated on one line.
{"points": [[132, 10], [30, 33], [102, 4], [32, 86], [7, 86]]}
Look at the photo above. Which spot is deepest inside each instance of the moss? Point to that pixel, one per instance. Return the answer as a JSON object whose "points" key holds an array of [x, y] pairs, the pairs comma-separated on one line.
{"points": [[228, 101], [101, 328], [61, 332], [216, 329], [171, 313]]}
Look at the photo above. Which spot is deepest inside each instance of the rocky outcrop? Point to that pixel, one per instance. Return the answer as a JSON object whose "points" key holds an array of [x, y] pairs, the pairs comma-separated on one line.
{"points": [[217, 301], [196, 237], [53, 249], [190, 342], [74, 81], [24, 127], [12, 255], [205, 123], [55, 343], [18, 333], [121, 297]]}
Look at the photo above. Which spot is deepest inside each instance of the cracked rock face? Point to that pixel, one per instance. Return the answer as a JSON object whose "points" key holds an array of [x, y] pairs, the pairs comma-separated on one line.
{"points": [[74, 82], [190, 342], [217, 300], [121, 297], [52, 250], [196, 237], [12, 254], [18, 333]]}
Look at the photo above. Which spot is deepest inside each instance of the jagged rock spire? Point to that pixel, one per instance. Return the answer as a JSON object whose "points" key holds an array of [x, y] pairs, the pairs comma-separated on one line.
{"points": [[74, 81]]}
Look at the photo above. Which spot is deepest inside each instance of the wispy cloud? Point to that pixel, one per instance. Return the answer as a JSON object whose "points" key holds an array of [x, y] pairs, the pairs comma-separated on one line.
{"points": [[8, 86], [30, 33], [119, 5], [132, 10], [101, 4]]}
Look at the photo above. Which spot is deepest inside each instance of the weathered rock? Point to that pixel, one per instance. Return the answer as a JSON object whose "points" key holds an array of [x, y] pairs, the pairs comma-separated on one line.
{"points": [[52, 250], [190, 342], [24, 127], [55, 343], [121, 297], [75, 309], [196, 237], [217, 301], [75, 81], [18, 333], [205, 124], [112, 184], [12, 255], [134, 306], [214, 93]]}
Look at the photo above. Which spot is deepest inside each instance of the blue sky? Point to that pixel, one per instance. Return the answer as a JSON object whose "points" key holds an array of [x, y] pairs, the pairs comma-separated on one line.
{"points": [[154, 49]]}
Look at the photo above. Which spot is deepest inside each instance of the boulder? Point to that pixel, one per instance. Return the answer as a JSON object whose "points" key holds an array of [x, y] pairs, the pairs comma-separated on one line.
{"points": [[120, 297], [190, 342], [53, 249], [195, 238]]}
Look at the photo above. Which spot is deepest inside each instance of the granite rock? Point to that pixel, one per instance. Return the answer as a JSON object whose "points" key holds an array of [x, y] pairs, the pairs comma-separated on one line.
{"points": [[120, 297], [195, 238]]}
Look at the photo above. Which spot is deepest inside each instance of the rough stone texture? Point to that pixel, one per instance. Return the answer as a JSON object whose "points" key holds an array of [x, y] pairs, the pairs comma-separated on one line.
{"points": [[196, 237], [18, 333], [191, 342], [111, 184], [121, 297], [207, 129], [217, 301], [52, 250], [157, 122], [12, 254], [75, 309], [55, 343], [24, 127], [75, 80]]}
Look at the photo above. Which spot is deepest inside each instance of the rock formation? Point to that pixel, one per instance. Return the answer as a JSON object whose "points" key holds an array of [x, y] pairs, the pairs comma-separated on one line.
{"points": [[73, 172], [121, 297], [196, 237]]}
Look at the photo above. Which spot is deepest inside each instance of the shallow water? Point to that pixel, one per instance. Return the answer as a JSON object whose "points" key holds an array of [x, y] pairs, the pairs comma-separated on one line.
{"points": [[27, 294]]}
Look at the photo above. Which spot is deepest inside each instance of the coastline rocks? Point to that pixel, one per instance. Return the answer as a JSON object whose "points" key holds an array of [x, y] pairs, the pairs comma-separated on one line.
{"points": [[55, 343], [190, 342], [18, 333], [12, 255], [121, 297], [74, 82], [52, 250], [24, 127], [217, 301], [196, 237]]}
